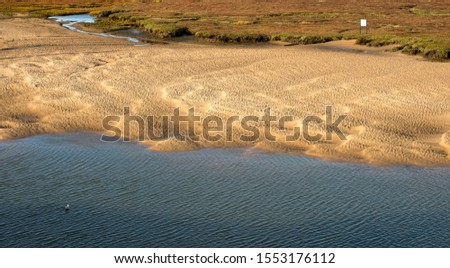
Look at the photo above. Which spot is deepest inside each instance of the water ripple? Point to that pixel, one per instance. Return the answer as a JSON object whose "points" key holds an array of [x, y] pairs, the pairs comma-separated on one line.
{"points": [[122, 195]]}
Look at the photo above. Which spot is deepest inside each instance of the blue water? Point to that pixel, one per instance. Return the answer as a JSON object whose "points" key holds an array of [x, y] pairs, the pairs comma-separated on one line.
{"points": [[123, 195], [69, 21]]}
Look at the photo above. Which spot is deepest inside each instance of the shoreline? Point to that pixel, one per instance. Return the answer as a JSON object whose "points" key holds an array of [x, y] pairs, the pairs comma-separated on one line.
{"points": [[341, 45], [255, 150], [47, 173], [435, 48], [411, 46], [76, 80]]}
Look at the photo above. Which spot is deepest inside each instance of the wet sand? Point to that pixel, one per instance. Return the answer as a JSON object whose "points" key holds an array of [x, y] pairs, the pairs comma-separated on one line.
{"points": [[53, 80]]}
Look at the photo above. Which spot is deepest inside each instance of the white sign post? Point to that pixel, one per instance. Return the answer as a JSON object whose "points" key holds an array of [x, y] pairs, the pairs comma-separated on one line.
{"points": [[363, 24]]}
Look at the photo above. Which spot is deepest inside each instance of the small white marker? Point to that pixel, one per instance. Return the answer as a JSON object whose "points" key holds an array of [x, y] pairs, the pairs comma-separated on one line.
{"points": [[363, 24], [67, 207]]}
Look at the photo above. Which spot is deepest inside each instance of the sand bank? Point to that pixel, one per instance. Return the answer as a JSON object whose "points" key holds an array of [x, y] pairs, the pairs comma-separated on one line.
{"points": [[53, 80]]}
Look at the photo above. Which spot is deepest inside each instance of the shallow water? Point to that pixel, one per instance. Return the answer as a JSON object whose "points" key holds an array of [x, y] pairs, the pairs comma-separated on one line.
{"points": [[123, 195], [69, 21]]}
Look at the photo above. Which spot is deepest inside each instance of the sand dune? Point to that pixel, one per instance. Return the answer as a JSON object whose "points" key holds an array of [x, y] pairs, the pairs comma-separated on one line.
{"points": [[53, 80]]}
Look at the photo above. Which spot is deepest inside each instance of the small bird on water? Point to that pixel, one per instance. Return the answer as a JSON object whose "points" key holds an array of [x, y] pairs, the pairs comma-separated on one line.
{"points": [[66, 208]]}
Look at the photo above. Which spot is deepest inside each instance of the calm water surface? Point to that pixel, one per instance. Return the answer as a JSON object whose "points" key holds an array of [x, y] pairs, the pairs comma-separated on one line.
{"points": [[69, 21], [123, 195]]}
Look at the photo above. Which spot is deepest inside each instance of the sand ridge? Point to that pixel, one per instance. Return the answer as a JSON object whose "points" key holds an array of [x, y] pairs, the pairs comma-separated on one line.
{"points": [[53, 80]]}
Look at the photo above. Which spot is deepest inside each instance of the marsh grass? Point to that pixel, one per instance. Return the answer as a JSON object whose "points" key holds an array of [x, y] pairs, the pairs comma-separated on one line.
{"points": [[306, 39], [430, 48], [232, 37], [105, 26], [104, 13], [50, 10], [164, 30], [416, 29]]}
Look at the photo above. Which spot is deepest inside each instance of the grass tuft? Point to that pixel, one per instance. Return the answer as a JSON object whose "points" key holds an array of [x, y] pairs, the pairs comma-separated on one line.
{"points": [[306, 39], [232, 37], [429, 48], [163, 30]]}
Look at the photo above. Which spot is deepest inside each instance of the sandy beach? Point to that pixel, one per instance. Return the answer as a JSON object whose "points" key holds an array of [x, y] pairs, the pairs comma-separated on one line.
{"points": [[53, 80]]}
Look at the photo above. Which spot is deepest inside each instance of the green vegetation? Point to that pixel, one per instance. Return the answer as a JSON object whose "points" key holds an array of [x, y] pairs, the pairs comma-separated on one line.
{"points": [[430, 48], [110, 20], [306, 39], [163, 30], [232, 37], [113, 20], [104, 13], [416, 29], [105, 26]]}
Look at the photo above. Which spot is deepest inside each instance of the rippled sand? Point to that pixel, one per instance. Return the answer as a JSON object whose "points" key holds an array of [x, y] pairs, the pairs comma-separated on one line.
{"points": [[53, 80]]}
